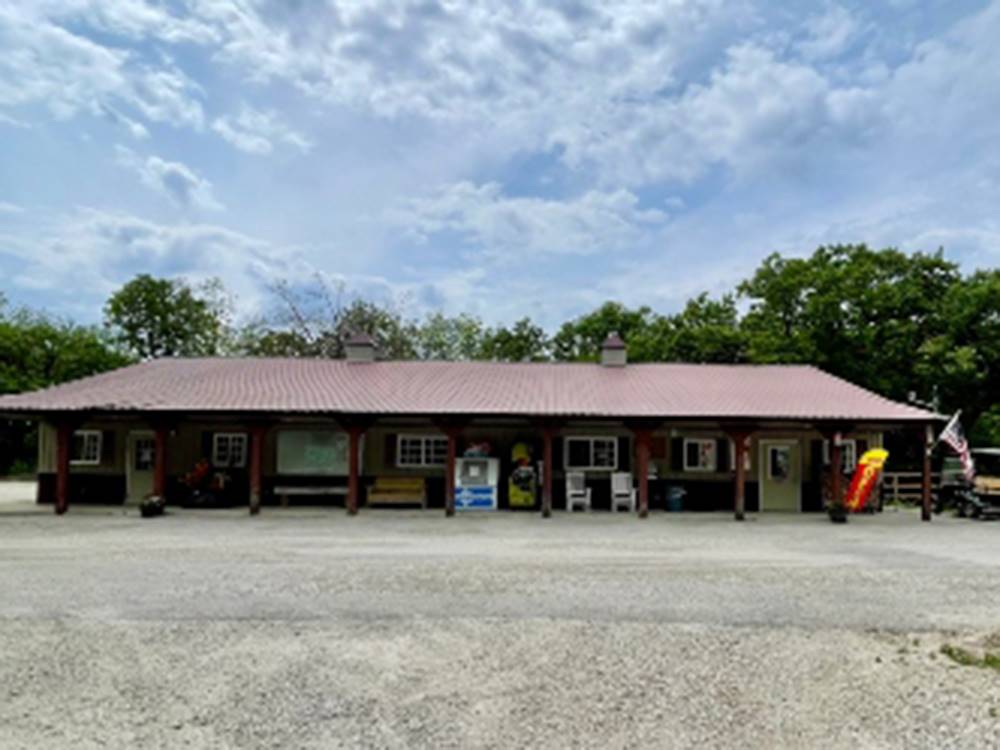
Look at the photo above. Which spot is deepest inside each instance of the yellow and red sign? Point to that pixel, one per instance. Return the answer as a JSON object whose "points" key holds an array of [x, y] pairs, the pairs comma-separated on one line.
{"points": [[865, 476]]}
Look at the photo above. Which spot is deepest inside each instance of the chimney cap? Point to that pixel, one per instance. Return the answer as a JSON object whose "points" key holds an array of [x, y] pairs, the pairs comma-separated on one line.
{"points": [[613, 341]]}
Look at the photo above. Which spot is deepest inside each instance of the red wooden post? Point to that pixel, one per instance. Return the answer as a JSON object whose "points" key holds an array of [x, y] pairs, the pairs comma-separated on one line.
{"points": [[257, 435], [449, 472], [64, 438], [160, 461], [642, 441], [925, 483], [837, 469], [353, 470], [740, 479], [548, 433]]}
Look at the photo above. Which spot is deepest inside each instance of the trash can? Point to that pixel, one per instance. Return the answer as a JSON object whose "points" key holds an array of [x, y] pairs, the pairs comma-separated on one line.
{"points": [[675, 499]]}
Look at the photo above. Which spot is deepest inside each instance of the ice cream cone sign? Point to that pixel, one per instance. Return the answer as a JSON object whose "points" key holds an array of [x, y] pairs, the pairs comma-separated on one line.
{"points": [[865, 477]]}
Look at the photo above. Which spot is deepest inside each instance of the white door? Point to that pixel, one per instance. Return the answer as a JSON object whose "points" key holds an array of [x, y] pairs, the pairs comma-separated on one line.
{"points": [[140, 458], [780, 475]]}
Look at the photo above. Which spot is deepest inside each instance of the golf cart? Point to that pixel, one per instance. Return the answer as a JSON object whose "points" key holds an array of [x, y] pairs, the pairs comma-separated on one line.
{"points": [[978, 499]]}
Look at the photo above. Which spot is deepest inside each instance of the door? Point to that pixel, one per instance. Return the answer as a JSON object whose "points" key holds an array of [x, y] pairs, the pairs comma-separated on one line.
{"points": [[139, 476], [780, 475]]}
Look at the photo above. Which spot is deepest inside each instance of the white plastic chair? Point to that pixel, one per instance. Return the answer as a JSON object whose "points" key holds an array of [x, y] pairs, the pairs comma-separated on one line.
{"points": [[577, 491], [622, 492]]}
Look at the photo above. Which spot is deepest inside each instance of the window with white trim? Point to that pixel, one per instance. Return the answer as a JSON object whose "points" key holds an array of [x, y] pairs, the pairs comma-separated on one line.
{"points": [[229, 449], [848, 454], [700, 454], [86, 449], [591, 453], [421, 451]]}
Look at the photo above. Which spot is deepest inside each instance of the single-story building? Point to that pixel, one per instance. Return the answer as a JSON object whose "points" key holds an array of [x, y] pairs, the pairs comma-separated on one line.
{"points": [[744, 438]]}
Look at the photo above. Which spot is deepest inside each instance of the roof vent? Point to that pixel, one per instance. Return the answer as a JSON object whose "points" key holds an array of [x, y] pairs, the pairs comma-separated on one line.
{"points": [[360, 347], [613, 351]]}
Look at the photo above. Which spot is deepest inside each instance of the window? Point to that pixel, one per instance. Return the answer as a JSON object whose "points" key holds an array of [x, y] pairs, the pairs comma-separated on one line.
{"points": [[699, 455], [143, 451], [86, 449], [597, 453], [229, 449], [421, 450], [779, 462], [848, 454]]}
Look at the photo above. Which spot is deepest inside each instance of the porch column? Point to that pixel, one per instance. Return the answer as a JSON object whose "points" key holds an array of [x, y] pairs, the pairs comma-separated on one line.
{"points": [[836, 467], [257, 435], [925, 479], [160, 435], [548, 433], [642, 441], [64, 437], [354, 435], [739, 438], [449, 471]]}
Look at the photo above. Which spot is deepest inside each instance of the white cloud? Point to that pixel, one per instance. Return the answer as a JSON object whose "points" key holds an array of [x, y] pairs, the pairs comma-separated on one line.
{"points": [[255, 131], [10, 208], [44, 63], [829, 34], [93, 252], [13, 122], [173, 179], [525, 226]]}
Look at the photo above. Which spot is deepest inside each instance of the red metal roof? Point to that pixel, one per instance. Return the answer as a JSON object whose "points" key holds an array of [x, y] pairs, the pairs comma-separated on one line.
{"points": [[779, 392]]}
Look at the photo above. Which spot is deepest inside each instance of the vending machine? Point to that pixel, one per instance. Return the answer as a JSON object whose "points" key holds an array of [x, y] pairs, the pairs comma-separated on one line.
{"points": [[476, 481], [522, 485]]}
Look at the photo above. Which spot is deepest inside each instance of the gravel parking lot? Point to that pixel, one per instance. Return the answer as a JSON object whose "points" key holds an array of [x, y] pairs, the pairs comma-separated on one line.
{"points": [[305, 628]]}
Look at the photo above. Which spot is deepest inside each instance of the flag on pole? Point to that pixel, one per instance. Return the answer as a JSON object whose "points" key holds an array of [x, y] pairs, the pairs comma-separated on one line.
{"points": [[955, 438]]}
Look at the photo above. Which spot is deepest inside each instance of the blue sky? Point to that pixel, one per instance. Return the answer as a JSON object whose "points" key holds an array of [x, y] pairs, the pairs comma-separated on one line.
{"points": [[496, 158]]}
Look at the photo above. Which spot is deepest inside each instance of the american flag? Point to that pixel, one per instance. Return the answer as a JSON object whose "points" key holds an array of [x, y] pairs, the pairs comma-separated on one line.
{"points": [[954, 437]]}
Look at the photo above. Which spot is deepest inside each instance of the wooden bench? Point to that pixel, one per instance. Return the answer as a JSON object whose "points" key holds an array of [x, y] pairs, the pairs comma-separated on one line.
{"points": [[398, 491], [307, 491]]}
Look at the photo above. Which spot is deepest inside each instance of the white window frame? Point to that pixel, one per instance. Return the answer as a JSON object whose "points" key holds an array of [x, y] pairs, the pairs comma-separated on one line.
{"points": [[592, 439], [98, 440], [426, 451], [848, 465], [715, 455], [230, 436]]}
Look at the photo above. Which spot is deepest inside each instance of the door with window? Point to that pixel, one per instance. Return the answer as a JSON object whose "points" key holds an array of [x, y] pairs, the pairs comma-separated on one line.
{"points": [[780, 475], [141, 457]]}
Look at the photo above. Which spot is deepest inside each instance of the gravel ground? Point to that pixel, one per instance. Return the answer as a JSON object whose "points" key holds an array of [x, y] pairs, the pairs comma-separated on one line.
{"points": [[401, 629]]}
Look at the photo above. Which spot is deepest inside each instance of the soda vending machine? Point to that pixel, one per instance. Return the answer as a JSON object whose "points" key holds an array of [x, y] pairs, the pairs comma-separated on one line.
{"points": [[476, 481], [523, 484]]}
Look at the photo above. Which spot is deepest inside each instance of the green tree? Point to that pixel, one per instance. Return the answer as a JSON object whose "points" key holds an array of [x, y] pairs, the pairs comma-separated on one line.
{"points": [[706, 330], [154, 317], [580, 340], [450, 338], [858, 313], [963, 359], [522, 342]]}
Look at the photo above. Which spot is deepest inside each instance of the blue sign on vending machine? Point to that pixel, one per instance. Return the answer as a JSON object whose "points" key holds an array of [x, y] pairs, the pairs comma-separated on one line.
{"points": [[476, 483]]}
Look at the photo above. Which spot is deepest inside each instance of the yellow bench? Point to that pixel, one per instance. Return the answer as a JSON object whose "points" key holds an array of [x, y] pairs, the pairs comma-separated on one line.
{"points": [[398, 491]]}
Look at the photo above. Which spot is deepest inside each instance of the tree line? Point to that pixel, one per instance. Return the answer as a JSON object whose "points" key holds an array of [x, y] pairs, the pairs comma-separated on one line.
{"points": [[908, 326]]}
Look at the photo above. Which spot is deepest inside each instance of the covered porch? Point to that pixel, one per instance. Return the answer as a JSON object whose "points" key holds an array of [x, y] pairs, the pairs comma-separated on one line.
{"points": [[266, 459]]}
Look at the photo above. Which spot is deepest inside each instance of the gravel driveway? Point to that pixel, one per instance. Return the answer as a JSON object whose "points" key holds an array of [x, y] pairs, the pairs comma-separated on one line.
{"points": [[403, 629]]}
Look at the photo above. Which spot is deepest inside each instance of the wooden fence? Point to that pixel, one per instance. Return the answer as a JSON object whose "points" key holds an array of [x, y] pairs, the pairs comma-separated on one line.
{"points": [[905, 486]]}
